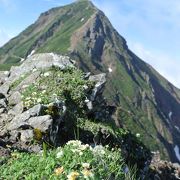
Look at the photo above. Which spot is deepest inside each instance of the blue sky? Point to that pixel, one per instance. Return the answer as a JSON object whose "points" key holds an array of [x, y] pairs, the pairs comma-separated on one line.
{"points": [[151, 27]]}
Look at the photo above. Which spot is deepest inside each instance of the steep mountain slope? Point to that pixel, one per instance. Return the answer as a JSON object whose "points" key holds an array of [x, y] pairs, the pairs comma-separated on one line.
{"points": [[147, 103]]}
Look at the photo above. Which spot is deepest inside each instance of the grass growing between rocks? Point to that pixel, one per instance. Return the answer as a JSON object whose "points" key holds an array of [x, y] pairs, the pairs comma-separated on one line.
{"points": [[55, 84], [74, 161]]}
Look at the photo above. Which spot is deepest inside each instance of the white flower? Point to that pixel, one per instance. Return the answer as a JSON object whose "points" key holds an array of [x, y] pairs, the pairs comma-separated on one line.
{"points": [[76, 150], [74, 143], [138, 135], [34, 93], [85, 87], [86, 100], [86, 165], [83, 147], [44, 91], [39, 100], [46, 74], [28, 98], [80, 153], [99, 150], [59, 154]]}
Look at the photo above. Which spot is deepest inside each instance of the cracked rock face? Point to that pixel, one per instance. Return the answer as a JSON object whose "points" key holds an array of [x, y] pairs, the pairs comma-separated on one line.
{"points": [[18, 125]]}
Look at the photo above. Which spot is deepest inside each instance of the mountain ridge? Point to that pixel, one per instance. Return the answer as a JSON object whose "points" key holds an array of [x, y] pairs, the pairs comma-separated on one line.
{"points": [[147, 103]]}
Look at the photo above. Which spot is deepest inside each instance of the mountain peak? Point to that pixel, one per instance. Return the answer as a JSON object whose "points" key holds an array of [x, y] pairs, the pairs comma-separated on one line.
{"points": [[147, 103]]}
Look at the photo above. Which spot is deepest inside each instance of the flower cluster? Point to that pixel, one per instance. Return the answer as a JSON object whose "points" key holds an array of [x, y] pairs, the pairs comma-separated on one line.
{"points": [[99, 150], [78, 147], [61, 163], [35, 98], [73, 175]]}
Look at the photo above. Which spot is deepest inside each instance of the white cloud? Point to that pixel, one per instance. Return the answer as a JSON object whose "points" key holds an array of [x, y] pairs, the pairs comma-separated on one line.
{"points": [[163, 63]]}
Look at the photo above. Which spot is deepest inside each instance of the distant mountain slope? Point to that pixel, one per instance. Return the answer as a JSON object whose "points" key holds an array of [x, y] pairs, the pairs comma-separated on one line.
{"points": [[147, 103]]}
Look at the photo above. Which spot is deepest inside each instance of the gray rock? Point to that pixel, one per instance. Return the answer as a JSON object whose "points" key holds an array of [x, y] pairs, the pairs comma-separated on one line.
{"points": [[41, 61], [2, 110], [15, 98], [2, 96], [3, 76], [14, 135], [89, 105], [21, 119], [17, 109], [4, 89], [3, 103], [4, 119], [26, 135], [18, 121], [37, 110], [41, 122], [35, 148], [100, 80]]}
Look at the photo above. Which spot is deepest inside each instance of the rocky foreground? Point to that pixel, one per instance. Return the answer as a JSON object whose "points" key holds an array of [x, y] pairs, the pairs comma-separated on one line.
{"points": [[46, 99]]}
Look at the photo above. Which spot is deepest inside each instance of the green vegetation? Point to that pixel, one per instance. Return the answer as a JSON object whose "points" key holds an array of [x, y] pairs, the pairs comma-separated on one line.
{"points": [[5, 67], [18, 81], [56, 39], [55, 84], [129, 83], [94, 127], [60, 41], [73, 161]]}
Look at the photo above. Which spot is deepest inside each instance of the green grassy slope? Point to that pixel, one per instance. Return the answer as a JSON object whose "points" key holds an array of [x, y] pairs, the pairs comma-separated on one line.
{"points": [[51, 32]]}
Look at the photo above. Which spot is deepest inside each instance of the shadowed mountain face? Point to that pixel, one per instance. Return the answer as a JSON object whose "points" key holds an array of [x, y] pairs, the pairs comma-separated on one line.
{"points": [[146, 102]]}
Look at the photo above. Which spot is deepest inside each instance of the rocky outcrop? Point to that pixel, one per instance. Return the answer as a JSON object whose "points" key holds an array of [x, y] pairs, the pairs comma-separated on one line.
{"points": [[159, 169], [47, 99], [132, 84], [20, 125]]}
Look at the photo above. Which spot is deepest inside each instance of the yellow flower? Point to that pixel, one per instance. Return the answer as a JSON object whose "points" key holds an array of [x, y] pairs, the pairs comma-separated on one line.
{"points": [[87, 173], [59, 171], [73, 175], [15, 155]]}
